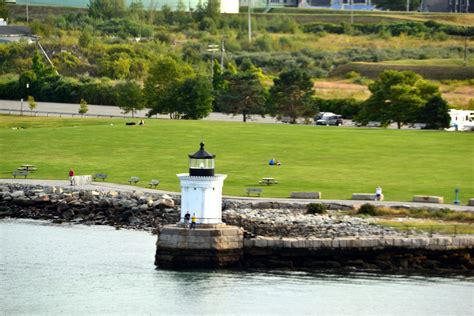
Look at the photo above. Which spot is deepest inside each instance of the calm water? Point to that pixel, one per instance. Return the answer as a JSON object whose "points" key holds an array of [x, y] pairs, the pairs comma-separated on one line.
{"points": [[54, 269]]}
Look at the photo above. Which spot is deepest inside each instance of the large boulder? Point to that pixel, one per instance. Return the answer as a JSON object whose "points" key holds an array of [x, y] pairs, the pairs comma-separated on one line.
{"points": [[17, 194]]}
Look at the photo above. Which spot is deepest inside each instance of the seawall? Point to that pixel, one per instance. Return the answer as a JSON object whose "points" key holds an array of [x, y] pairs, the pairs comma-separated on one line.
{"points": [[321, 241]]}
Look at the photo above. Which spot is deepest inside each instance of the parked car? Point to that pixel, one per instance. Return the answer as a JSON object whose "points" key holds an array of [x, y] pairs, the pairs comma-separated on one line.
{"points": [[335, 120]]}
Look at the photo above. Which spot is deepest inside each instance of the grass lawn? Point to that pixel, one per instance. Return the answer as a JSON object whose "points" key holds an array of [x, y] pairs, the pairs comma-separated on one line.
{"points": [[336, 161], [430, 226]]}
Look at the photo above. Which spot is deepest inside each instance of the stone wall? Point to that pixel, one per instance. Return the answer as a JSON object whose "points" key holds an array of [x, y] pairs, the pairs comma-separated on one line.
{"points": [[214, 247]]}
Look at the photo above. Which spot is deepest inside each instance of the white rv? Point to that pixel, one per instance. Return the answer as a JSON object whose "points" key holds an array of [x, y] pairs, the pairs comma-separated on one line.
{"points": [[461, 120]]}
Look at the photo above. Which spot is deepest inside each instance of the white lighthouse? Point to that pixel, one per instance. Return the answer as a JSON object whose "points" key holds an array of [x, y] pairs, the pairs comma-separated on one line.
{"points": [[201, 189], [212, 243]]}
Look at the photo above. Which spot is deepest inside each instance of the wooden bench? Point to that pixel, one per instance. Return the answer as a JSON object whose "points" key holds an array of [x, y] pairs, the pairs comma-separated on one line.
{"points": [[101, 176], [134, 180], [22, 173], [253, 191], [154, 183]]}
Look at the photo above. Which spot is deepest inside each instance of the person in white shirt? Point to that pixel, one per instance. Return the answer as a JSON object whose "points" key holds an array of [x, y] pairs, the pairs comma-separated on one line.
{"points": [[378, 193]]}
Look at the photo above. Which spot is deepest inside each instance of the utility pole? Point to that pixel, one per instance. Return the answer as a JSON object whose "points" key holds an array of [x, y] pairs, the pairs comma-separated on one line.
{"points": [[408, 5], [250, 22], [465, 51], [27, 12], [352, 12]]}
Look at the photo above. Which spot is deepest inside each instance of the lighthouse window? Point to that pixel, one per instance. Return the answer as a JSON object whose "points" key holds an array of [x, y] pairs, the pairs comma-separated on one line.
{"points": [[202, 163]]}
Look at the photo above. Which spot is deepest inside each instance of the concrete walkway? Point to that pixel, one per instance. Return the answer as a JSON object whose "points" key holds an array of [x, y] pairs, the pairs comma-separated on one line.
{"points": [[107, 186]]}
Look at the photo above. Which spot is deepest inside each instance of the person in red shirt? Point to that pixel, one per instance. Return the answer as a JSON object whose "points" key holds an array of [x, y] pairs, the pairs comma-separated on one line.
{"points": [[71, 176]]}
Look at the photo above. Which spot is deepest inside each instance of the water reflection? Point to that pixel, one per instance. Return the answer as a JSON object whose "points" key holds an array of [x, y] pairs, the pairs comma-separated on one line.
{"points": [[65, 269]]}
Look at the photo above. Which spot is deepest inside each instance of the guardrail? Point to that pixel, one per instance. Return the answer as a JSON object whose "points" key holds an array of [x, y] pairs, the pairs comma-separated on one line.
{"points": [[64, 114]]}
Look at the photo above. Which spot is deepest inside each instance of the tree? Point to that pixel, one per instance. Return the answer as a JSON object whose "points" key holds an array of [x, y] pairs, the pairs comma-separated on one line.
{"points": [[435, 113], [210, 10], [397, 5], [291, 95], [85, 39], [244, 94], [397, 96], [136, 10], [164, 78], [130, 97], [83, 108], [32, 103], [3, 10], [106, 9], [194, 98]]}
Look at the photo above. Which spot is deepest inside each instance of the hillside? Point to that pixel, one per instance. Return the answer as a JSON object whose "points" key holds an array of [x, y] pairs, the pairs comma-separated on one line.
{"points": [[110, 51]]}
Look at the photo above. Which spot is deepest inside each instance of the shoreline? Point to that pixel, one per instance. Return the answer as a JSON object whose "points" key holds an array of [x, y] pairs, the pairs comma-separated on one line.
{"points": [[283, 235]]}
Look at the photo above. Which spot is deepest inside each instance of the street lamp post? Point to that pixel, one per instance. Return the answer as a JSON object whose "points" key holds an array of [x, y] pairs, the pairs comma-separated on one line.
{"points": [[212, 48]]}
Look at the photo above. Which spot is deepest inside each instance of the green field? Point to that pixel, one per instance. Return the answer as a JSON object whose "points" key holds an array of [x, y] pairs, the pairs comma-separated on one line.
{"points": [[335, 161]]}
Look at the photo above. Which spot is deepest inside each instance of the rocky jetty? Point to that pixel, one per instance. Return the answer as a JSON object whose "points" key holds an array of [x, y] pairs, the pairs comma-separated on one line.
{"points": [[120, 209], [296, 223]]}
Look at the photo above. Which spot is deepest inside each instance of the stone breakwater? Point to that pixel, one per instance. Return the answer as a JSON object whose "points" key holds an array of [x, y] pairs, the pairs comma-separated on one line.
{"points": [[296, 223], [120, 209]]}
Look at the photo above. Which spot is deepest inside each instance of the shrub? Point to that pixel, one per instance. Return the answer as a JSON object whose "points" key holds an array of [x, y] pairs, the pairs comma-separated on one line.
{"points": [[314, 208], [368, 209]]}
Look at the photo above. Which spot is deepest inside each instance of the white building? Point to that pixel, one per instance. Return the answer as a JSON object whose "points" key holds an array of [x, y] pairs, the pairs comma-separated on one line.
{"points": [[201, 189]]}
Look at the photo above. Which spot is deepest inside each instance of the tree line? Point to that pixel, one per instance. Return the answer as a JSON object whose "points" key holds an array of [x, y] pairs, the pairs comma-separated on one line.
{"points": [[175, 88]]}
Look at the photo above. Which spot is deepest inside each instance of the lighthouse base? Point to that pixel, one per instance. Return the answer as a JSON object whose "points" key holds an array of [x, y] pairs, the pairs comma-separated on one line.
{"points": [[207, 246]]}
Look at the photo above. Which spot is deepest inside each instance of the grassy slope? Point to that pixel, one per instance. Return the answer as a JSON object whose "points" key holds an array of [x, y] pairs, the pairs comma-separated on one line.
{"points": [[337, 16], [336, 161]]}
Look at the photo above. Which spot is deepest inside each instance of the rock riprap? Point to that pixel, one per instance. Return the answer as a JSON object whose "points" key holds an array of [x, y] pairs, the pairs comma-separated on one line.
{"points": [[296, 223], [121, 209]]}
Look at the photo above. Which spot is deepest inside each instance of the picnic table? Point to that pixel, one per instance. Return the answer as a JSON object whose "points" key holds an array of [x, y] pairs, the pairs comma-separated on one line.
{"points": [[268, 181], [28, 167]]}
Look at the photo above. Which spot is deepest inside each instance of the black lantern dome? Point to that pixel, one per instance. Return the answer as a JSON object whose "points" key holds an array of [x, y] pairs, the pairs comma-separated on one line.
{"points": [[201, 163]]}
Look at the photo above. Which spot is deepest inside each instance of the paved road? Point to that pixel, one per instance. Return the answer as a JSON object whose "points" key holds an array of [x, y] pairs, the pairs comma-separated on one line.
{"points": [[71, 109], [95, 110], [107, 186]]}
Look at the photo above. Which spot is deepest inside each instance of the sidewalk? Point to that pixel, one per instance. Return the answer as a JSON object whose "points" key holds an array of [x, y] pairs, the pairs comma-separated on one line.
{"points": [[107, 186]]}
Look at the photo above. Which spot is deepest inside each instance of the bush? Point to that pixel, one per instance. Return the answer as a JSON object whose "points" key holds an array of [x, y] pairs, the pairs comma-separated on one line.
{"points": [[314, 208], [368, 209]]}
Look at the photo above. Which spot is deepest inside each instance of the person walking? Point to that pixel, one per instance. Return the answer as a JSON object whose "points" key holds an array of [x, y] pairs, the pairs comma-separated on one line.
{"points": [[378, 193], [187, 217], [193, 221], [71, 176]]}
